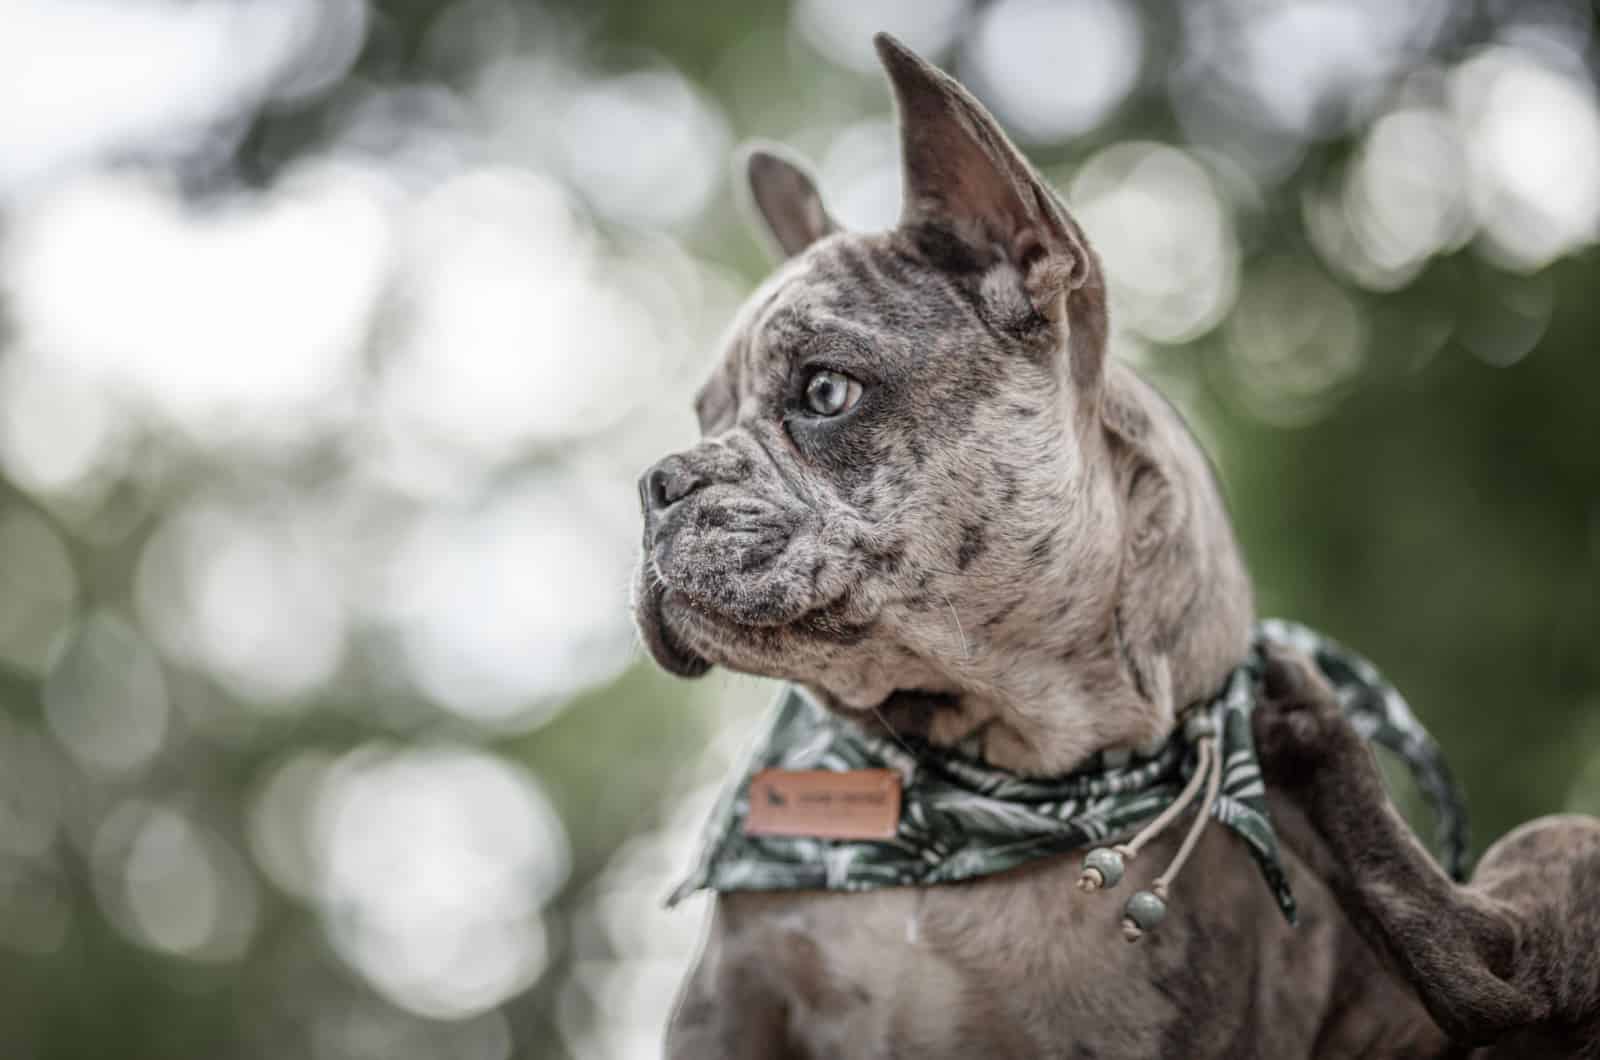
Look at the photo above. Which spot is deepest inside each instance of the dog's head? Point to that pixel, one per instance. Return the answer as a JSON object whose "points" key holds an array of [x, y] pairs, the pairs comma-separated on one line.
{"points": [[920, 485]]}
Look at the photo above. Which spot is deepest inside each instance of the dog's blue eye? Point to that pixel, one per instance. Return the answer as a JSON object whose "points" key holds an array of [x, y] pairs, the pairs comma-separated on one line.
{"points": [[828, 393]]}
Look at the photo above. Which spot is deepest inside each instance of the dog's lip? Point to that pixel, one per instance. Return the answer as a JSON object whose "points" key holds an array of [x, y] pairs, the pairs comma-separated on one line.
{"points": [[665, 647], [811, 620], [707, 609]]}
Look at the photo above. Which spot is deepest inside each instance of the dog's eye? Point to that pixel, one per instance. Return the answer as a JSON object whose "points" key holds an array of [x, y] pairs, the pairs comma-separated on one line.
{"points": [[828, 393]]}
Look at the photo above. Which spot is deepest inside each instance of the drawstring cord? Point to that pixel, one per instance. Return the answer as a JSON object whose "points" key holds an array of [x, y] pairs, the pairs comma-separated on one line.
{"points": [[1103, 867]]}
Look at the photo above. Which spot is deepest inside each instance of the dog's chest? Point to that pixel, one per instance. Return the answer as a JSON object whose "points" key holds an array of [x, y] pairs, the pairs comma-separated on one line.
{"points": [[1023, 964]]}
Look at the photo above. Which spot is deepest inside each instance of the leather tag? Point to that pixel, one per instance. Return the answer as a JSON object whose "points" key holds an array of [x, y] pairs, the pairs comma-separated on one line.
{"points": [[860, 804]]}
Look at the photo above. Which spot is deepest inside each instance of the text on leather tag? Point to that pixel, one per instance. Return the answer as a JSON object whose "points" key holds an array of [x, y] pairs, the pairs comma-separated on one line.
{"points": [[860, 804]]}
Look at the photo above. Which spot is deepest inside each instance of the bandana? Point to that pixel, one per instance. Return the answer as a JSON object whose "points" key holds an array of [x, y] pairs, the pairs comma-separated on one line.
{"points": [[961, 819]]}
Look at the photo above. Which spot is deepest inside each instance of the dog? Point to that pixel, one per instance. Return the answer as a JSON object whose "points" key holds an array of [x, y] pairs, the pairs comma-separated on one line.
{"points": [[925, 494], [1510, 962]]}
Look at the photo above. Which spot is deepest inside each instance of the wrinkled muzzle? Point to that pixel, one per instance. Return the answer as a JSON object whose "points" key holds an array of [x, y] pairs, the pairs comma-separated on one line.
{"points": [[720, 529]]}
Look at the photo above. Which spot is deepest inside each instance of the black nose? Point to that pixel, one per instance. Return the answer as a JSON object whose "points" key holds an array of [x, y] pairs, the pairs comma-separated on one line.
{"points": [[667, 483]]}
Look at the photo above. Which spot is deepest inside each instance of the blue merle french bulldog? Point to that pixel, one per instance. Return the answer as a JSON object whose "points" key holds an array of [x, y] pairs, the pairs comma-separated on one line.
{"points": [[925, 494]]}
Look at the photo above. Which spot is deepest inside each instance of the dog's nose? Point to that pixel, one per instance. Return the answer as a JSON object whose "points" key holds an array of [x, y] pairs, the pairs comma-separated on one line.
{"points": [[667, 483]]}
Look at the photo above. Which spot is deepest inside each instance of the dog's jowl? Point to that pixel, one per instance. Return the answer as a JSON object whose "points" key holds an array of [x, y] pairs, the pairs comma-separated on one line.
{"points": [[925, 496]]}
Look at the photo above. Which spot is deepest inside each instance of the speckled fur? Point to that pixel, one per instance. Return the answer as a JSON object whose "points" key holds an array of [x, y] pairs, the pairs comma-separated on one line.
{"points": [[1006, 521], [1009, 539]]}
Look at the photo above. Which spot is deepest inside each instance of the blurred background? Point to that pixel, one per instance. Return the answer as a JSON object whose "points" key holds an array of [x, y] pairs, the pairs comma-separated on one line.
{"points": [[334, 332]]}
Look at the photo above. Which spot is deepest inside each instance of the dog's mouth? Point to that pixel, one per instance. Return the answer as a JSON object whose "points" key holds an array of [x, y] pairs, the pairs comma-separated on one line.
{"points": [[664, 644], [687, 635]]}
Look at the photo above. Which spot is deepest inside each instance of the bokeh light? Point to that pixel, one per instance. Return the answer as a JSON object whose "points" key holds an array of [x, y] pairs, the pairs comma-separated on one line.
{"points": [[96, 78], [1295, 340], [502, 285], [843, 31], [506, 612], [245, 596], [1055, 69], [188, 323], [675, 144], [433, 867], [38, 590], [105, 697], [170, 885], [1533, 136], [860, 175], [1168, 243]]}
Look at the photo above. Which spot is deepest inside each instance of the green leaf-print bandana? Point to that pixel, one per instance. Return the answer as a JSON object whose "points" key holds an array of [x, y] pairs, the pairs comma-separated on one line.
{"points": [[961, 819]]}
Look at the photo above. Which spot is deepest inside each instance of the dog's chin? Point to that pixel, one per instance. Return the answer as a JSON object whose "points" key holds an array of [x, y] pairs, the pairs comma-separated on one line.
{"points": [[665, 646]]}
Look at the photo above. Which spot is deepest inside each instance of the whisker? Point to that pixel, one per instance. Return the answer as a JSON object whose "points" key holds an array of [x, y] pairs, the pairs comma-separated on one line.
{"points": [[895, 736], [966, 649], [947, 573]]}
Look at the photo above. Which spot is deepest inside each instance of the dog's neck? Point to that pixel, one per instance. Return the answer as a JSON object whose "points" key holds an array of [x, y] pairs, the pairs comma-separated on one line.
{"points": [[1040, 709], [1105, 648]]}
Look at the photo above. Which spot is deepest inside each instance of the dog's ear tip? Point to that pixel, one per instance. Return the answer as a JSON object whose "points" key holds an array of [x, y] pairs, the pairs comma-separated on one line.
{"points": [[763, 162], [751, 154], [778, 187], [895, 56], [750, 161]]}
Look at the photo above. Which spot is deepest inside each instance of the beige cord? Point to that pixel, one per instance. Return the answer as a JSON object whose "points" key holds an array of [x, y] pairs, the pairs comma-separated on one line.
{"points": [[1211, 765], [1130, 849], [1146, 909]]}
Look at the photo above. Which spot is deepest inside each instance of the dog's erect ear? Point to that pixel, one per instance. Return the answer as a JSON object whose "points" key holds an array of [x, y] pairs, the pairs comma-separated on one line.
{"points": [[786, 198], [962, 174]]}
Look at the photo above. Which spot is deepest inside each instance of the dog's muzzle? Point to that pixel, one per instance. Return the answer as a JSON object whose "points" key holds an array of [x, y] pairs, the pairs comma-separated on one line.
{"points": [[663, 486], [721, 574]]}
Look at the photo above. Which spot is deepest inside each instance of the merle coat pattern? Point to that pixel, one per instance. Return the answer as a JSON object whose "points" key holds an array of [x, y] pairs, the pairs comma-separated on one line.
{"points": [[993, 534]]}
